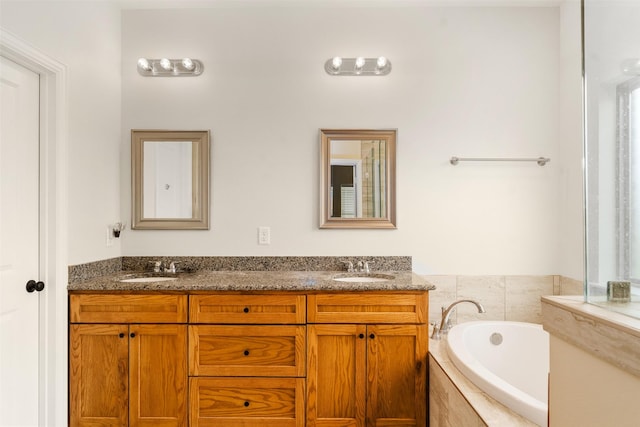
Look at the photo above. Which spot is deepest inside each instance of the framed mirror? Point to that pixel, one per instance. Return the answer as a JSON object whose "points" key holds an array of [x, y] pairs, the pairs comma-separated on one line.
{"points": [[170, 179], [357, 178]]}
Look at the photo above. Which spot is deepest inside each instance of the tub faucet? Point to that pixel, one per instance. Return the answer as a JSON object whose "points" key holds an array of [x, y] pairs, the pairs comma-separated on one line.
{"points": [[445, 323]]}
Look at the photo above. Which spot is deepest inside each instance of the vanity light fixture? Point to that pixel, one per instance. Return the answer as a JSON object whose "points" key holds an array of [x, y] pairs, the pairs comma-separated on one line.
{"points": [[166, 67], [360, 66]]}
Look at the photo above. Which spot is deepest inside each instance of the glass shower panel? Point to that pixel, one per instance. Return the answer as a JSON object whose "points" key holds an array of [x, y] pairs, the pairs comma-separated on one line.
{"points": [[611, 34]]}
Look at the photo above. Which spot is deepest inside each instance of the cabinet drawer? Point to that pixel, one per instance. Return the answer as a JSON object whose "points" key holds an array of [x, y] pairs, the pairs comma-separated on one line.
{"points": [[368, 308], [116, 308], [248, 309], [246, 402], [246, 351]]}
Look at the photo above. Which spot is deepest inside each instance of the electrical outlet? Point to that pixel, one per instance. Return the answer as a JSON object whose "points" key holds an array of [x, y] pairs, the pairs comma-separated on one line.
{"points": [[264, 235], [109, 236]]}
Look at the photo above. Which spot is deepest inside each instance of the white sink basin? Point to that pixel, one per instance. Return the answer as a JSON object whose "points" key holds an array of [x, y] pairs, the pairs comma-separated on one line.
{"points": [[364, 278], [147, 279]]}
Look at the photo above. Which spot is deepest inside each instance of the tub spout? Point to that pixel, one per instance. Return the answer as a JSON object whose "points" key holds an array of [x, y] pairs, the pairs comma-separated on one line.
{"points": [[445, 323]]}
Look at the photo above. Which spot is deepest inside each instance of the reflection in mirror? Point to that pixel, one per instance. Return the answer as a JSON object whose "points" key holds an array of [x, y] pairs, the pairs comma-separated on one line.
{"points": [[167, 179], [358, 175], [170, 179]]}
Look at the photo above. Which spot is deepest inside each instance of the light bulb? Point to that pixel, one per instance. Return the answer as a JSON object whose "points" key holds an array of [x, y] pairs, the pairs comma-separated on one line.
{"points": [[187, 63], [381, 62], [143, 64], [336, 62], [359, 62], [166, 64]]}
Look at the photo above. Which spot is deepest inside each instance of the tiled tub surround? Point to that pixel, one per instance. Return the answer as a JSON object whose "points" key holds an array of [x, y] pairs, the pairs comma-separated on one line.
{"points": [[455, 401], [513, 298], [88, 271]]}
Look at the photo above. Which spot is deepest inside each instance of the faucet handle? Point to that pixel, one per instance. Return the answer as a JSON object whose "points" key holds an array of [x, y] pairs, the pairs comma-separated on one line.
{"points": [[172, 266], [157, 266], [349, 265], [365, 265]]}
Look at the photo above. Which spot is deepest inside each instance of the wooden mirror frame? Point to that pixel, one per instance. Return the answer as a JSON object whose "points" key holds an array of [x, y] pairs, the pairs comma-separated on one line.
{"points": [[200, 180], [388, 220]]}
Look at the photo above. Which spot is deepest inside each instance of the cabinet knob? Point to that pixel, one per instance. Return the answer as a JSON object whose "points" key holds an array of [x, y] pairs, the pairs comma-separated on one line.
{"points": [[372, 336], [361, 336], [246, 309], [121, 334], [246, 352], [132, 335], [246, 403]]}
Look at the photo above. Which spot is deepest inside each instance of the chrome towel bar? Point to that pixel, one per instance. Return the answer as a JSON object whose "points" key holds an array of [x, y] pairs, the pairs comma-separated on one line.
{"points": [[540, 160]]}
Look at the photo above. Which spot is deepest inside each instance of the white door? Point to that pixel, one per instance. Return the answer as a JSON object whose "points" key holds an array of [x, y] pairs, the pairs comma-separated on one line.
{"points": [[19, 245]]}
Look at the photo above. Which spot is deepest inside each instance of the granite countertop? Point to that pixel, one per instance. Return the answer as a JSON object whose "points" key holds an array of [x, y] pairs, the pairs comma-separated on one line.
{"points": [[255, 281]]}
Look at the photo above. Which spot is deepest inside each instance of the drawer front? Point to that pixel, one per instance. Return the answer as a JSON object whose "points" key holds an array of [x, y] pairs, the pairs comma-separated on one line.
{"points": [[368, 308], [248, 309], [124, 308], [247, 402], [246, 351]]}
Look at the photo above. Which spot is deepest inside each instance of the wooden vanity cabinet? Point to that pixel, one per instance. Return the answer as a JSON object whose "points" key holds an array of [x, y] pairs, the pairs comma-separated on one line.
{"points": [[367, 360], [128, 374], [356, 359]]}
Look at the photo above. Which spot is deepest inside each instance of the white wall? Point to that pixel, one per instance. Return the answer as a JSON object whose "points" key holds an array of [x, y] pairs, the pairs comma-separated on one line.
{"points": [[469, 82], [466, 81], [85, 36]]}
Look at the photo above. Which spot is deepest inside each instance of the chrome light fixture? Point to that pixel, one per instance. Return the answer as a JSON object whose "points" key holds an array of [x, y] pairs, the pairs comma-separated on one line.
{"points": [[166, 67], [360, 66]]}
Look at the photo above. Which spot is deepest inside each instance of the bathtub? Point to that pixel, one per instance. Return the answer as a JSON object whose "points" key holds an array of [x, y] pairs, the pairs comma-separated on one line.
{"points": [[507, 360]]}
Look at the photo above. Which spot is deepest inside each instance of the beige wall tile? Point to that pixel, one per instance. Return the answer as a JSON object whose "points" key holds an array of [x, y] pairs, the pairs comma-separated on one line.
{"points": [[443, 295], [556, 285], [522, 297], [488, 291], [570, 286]]}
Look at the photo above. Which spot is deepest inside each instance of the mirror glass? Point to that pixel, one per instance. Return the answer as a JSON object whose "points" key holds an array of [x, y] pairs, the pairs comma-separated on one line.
{"points": [[358, 178], [170, 179]]}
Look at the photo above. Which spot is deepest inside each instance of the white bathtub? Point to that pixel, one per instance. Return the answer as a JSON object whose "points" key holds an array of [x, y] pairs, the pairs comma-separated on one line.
{"points": [[514, 372]]}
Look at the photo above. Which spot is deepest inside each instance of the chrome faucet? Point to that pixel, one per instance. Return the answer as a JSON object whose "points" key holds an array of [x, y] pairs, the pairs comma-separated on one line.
{"points": [[157, 266], [365, 266], [172, 267], [445, 323], [349, 265]]}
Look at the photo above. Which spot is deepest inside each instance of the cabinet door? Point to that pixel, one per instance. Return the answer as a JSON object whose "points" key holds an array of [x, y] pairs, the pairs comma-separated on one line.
{"points": [[397, 375], [336, 383], [158, 375], [98, 375]]}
